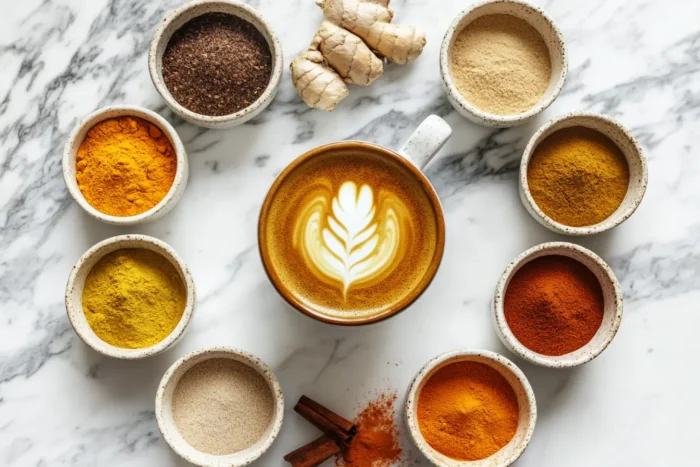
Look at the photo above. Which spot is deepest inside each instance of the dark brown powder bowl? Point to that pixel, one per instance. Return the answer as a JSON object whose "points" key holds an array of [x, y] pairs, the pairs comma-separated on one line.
{"points": [[180, 17]]}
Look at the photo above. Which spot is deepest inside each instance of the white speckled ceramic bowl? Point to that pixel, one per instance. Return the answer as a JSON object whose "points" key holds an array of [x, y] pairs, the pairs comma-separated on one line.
{"points": [[76, 282], [627, 144], [520, 384], [169, 430], [197, 8], [538, 20], [612, 309], [70, 152]]}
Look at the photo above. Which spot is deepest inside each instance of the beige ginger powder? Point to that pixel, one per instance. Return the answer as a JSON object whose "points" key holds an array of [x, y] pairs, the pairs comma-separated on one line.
{"points": [[222, 406], [500, 64]]}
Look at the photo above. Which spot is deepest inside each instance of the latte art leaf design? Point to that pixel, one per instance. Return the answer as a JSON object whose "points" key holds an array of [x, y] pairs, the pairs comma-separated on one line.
{"points": [[357, 240]]}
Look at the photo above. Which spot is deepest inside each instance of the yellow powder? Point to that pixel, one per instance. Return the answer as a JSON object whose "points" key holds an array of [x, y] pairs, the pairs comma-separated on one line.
{"points": [[500, 64], [133, 298]]}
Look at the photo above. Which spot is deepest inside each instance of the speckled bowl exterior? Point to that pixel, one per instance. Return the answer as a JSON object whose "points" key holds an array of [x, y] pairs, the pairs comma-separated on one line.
{"points": [[612, 315], [76, 283], [538, 20], [627, 144], [197, 8], [520, 384], [172, 436], [70, 152]]}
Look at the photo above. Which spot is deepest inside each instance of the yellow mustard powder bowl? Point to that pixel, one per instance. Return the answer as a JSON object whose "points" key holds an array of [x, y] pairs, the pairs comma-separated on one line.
{"points": [[130, 297]]}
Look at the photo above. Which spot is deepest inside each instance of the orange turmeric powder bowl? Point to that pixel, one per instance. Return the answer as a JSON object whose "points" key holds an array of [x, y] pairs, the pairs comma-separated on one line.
{"points": [[452, 395], [157, 124]]}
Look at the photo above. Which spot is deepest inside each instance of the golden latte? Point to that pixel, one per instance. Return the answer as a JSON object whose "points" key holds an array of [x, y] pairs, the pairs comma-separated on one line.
{"points": [[350, 233]]}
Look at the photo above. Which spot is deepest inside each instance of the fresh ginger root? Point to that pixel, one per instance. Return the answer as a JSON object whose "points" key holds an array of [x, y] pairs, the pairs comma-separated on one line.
{"points": [[348, 55], [343, 50], [319, 86], [370, 20]]}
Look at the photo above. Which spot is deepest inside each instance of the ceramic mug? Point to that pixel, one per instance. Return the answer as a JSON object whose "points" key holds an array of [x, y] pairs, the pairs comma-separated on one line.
{"points": [[352, 233]]}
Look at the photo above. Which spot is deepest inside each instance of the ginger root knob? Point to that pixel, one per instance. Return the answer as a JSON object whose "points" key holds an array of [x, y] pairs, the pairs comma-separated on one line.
{"points": [[370, 20], [345, 48], [320, 86], [348, 55]]}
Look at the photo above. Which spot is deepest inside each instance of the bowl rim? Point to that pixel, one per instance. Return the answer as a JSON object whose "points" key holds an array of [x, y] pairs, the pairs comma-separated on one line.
{"points": [[481, 115], [404, 303], [220, 352], [600, 227], [73, 309], [87, 123], [549, 361], [261, 102], [412, 400]]}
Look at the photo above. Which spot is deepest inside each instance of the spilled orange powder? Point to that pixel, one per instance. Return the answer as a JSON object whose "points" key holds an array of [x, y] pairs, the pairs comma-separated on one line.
{"points": [[377, 440]]}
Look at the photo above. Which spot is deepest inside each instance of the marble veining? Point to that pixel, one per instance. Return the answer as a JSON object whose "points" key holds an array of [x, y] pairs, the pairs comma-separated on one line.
{"points": [[62, 404]]}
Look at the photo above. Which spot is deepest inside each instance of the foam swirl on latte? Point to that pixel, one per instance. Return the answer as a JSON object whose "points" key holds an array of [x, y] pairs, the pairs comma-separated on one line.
{"points": [[350, 234], [357, 241]]}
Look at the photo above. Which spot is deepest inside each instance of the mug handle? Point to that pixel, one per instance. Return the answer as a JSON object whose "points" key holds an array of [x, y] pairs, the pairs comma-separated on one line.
{"points": [[426, 141]]}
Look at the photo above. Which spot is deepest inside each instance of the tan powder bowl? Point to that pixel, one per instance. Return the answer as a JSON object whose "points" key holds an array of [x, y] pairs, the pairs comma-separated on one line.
{"points": [[164, 413], [536, 18]]}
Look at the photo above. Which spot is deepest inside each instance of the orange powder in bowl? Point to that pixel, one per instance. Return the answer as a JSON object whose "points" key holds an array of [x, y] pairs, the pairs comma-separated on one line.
{"points": [[125, 166], [467, 411]]}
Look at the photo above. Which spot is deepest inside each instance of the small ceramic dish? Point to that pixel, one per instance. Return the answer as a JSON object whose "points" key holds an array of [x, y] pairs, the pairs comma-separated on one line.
{"points": [[76, 282], [627, 144], [612, 313], [197, 8], [76, 138], [542, 24], [172, 436], [518, 381]]}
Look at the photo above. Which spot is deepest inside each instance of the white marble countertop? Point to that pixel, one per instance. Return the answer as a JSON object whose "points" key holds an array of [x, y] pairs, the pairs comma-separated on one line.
{"points": [[62, 404]]}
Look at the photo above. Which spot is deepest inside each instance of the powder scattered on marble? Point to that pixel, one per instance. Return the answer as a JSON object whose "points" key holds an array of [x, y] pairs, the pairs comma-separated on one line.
{"points": [[377, 440], [222, 406], [500, 64]]}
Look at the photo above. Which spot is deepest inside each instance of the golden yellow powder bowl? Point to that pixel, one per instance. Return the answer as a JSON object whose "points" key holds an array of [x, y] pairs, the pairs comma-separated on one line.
{"points": [[76, 285]]}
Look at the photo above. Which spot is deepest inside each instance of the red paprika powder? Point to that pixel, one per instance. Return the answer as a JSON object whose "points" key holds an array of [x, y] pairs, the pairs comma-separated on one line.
{"points": [[554, 305], [377, 440]]}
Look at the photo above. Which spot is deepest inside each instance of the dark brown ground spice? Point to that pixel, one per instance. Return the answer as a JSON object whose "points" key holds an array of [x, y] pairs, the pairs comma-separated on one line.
{"points": [[217, 64]]}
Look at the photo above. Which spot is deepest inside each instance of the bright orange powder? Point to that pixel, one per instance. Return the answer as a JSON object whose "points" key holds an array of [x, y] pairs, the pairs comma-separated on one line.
{"points": [[467, 411], [125, 166]]}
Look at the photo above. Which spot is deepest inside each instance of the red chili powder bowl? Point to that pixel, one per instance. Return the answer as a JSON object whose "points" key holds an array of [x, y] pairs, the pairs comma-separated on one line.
{"points": [[554, 305]]}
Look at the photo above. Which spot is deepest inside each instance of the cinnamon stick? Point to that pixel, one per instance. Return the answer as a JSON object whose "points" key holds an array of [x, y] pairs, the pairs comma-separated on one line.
{"points": [[338, 434], [314, 453], [323, 424], [344, 424]]}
